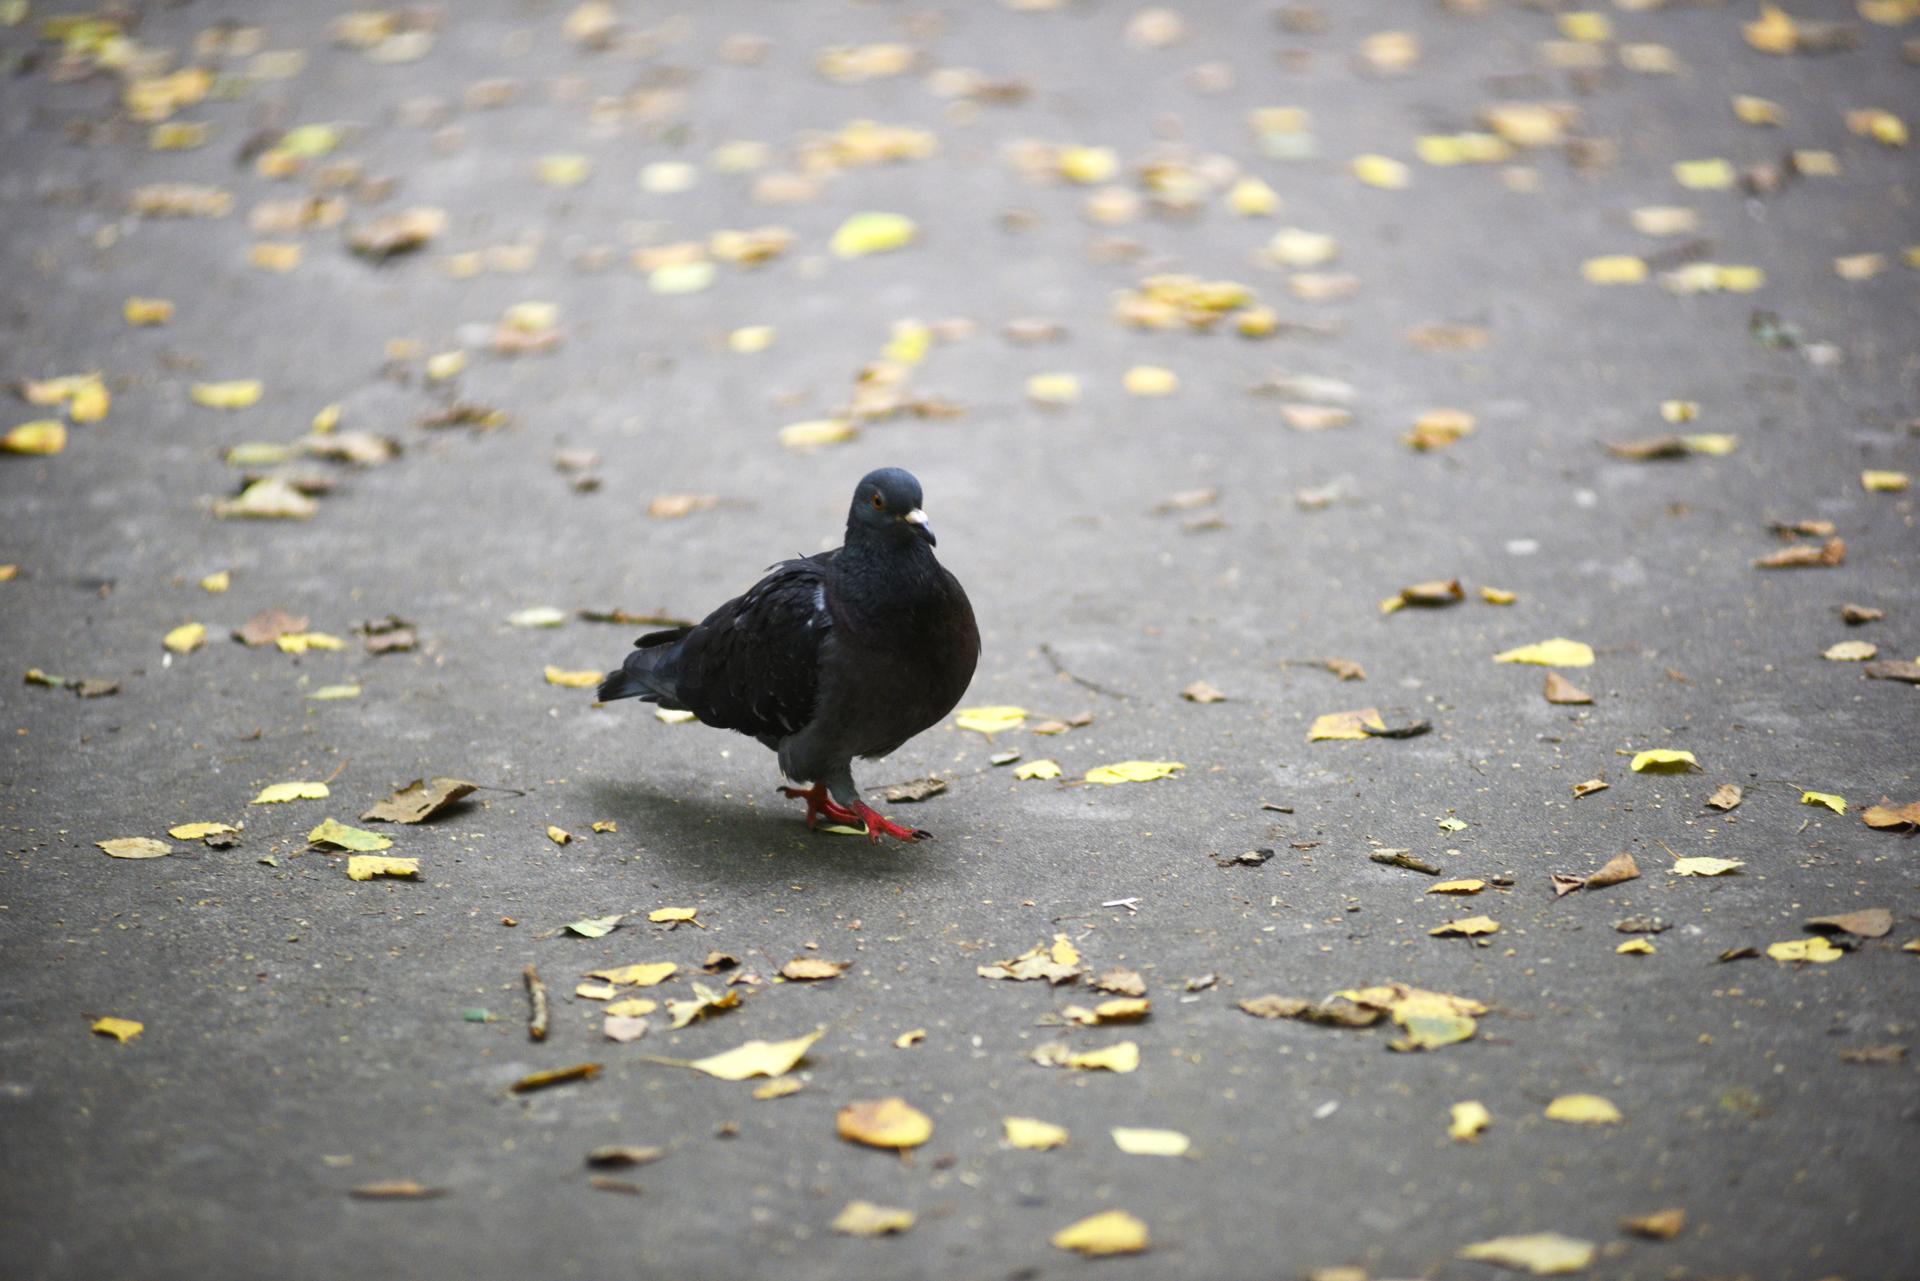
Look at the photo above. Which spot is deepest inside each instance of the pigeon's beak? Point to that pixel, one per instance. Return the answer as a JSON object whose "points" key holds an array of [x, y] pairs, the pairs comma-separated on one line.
{"points": [[918, 519]]}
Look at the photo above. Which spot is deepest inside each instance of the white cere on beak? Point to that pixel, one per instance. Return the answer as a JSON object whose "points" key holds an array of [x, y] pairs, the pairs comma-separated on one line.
{"points": [[915, 517]]}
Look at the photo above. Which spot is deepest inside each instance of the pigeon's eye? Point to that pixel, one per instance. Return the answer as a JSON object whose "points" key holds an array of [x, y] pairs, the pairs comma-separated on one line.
{"points": [[879, 503]]}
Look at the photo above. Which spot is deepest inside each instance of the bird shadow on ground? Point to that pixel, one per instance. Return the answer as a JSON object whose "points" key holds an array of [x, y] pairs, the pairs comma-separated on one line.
{"points": [[765, 844]]}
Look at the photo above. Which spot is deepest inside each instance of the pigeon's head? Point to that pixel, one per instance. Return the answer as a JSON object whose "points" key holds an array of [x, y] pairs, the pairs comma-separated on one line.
{"points": [[888, 503]]}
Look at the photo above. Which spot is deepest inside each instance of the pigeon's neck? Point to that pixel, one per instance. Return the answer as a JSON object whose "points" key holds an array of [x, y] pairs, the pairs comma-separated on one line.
{"points": [[882, 577]]}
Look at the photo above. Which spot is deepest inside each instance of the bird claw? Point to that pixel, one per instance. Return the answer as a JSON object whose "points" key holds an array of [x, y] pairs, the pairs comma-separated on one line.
{"points": [[818, 803], [877, 826]]}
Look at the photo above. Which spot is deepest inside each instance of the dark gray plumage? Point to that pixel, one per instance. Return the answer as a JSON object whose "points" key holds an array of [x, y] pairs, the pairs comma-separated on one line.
{"points": [[846, 653]]}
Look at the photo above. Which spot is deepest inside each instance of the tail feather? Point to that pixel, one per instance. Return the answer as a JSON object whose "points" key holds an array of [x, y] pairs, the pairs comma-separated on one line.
{"points": [[648, 672]]}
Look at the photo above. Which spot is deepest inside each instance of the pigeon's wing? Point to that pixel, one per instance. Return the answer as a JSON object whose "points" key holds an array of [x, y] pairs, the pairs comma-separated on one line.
{"points": [[753, 664]]}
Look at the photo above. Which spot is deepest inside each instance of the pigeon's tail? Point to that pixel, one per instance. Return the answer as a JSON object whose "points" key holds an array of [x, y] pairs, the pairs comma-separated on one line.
{"points": [[650, 672]]}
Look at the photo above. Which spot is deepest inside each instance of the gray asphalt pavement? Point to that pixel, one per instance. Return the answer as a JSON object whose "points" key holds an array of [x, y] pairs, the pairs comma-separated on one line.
{"points": [[305, 1034]]}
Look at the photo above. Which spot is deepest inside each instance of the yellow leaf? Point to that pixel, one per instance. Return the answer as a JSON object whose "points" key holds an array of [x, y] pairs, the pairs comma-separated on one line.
{"points": [[1701, 866], [90, 402], [1136, 1142], [1114, 1232], [1133, 772], [606, 825], [446, 364], [280, 793], [780, 1087], [872, 233], [1466, 927], [1469, 1119], [1583, 1109], [1037, 769], [301, 642], [1713, 444], [758, 1058], [1345, 725], [364, 867], [750, 339], [269, 499], [816, 432], [1252, 198], [240, 394], [1773, 31], [673, 715], [1816, 950], [337, 834], [632, 1007], [572, 680], [1838, 804], [1381, 171], [1885, 482], [42, 436], [564, 170], [329, 693], [185, 638], [1715, 174], [1882, 126], [1087, 165], [1614, 269], [682, 277], [1431, 1019], [199, 831], [121, 1030], [1635, 947], [1664, 760], [1558, 652], [1123, 1056], [673, 915], [864, 1218], [1150, 380], [1458, 887], [273, 256], [646, 974], [147, 311], [135, 847], [1587, 27], [1053, 389], [1035, 1136], [1541, 1253], [558, 835], [990, 720], [595, 991], [883, 1123], [1498, 596], [215, 583]]}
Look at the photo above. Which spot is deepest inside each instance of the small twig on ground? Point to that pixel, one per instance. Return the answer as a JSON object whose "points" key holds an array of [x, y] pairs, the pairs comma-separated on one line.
{"points": [[537, 996], [1046, 651]]}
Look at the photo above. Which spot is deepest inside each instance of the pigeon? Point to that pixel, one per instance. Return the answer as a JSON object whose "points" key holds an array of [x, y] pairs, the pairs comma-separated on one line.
{"points": [[846, 653]]}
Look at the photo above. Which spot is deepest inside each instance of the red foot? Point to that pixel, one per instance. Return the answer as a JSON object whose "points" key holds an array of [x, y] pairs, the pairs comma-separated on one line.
{"points": [[818, 803], [878, 826]]}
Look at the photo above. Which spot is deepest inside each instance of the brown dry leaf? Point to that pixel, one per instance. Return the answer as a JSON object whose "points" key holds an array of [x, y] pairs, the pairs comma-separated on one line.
{"points": [[268, 626], [883, 1123], [1114, 1232], [624, 1028], [1121, 982], [1565, 883], [1887, 817], [135, 847], [1431, 1019], [618, 1156], [675, 506], [1345, 668], [779, 1088], [395, 1190], [1121, 1009], [268, 499], [1057, 963], [397, 233], [1430, 595], [1346, 726], [1201, 692], [1725, 797], [1867, 923], [1805, 556], [1439, 428], [1335, 1013], [1122, 1056], [418, 801], [1893, 670], [1619, 868], [808, 969], [556, 1076], [865, 1219], [1661, 1225], [1563, 691]]}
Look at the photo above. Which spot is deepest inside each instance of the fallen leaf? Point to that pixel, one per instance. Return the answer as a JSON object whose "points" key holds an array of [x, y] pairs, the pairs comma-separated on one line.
{"points": [[1702, 866], [990, 720], [1725, 797], [812, 968], [1133, 772], [883, 1123], [1122, 1056], [418, 801], [1874, 1054], [556, 1076], [1589, 787], [340, 836], [1614, 269], [1150, 380], [865, 1219], [395, 1190], [1558, 652], [1123, 1009], [1201, 692], [1467, 1122], [185, 638], [1664, 760], [1498, 595], [121, 1030], [1561, 690], [1037, 769], [1466, 927], [1427, 595], [135, 847], [1431, 1019], [281, 793], [364, 867], [1458, 887], [1403, 858], [1868, 923], [1620, 867], [1838, 804], [1114, 1232], [1138, 1142], [1058, 962], [43, 437], [199, 831], [268, 499], [872, 233], [396, 233], [595, 927], [616, 1156], [1381, 171], [1053, 390], [240, 394], [673, 915], [1816, 950], [1635, 947], [1541, 1253], [1345, 726], [816, 432], [1885, 482], [1806, 556], [573, 679], [1661, 1225], [1121, 982], [1035, 1136], [623, 1028], [632, 1007], [1892, 817], [1894, 670], [779, 1088], [1850, 652], [757, 1058], [1335, 1013], [1439, 428], [645, 974]]}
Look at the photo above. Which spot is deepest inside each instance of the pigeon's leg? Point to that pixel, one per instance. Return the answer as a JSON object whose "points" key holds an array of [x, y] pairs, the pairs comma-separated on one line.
{"points": [[818, 803], [846, 796]]}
